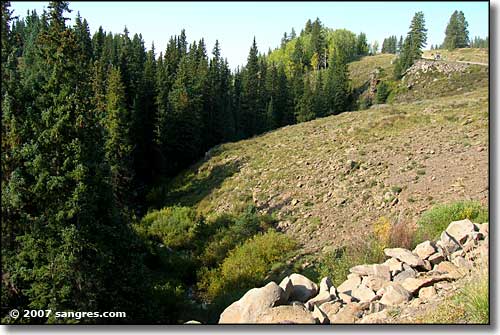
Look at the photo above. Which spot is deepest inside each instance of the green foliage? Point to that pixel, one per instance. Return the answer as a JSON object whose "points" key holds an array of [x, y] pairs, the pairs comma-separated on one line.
{"points": [[246, 266], [383, 92], [174, 227], [456, 34], [411, 49], [434, 221]]}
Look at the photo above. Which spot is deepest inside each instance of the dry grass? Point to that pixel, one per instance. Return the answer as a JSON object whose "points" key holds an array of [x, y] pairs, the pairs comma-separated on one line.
{"points": [[464, 54]]}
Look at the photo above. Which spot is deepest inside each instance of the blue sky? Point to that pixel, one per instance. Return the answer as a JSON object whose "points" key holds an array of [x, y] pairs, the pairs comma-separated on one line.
{"points": [[235, 24]]}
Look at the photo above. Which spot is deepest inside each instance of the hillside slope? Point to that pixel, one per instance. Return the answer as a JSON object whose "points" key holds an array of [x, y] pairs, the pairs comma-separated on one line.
{"points": [[327, 181]]}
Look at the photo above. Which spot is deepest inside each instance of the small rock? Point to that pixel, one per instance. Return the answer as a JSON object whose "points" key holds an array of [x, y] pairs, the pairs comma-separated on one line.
{"points": [[294, 202], [394, 294], [404, 256], [303, 288], [427, 293], [425, 249], [460, 229]]}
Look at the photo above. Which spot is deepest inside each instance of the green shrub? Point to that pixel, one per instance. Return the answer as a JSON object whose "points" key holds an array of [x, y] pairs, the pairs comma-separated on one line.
{"points": [[383, 91], [246, 266], [468, 305], [227, 231], [434, 221], [175, 227]]}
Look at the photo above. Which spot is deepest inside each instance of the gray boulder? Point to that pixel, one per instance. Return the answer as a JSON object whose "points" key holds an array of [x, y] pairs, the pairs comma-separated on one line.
{"points": [[303, 288]]}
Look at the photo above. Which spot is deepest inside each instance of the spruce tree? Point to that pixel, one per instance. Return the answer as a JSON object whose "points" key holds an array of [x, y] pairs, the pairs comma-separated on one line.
{"points": [[456, 34]]}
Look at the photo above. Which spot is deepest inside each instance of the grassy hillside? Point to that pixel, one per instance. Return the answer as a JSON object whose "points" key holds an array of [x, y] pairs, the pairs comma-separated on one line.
{"points": [[360, 70], [464, 54], [329, 180]]}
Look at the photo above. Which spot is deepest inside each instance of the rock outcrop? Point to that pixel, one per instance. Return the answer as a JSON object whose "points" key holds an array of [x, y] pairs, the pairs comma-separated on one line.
{"points": [[406, 277]]}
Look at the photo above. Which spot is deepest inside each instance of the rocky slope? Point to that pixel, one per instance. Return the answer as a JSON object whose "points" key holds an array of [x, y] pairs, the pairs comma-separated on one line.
{"points": [[372, 292]]}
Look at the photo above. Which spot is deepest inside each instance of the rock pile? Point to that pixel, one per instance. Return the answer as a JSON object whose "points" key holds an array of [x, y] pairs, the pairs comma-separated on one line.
{"points": [[424, 66], [369, 288]]}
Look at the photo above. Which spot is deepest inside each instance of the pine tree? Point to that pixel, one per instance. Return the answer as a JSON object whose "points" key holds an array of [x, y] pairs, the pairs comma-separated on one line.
{"points": [[412, 45], [250, 100], [361, 45], [456, 34], [337, 88]]}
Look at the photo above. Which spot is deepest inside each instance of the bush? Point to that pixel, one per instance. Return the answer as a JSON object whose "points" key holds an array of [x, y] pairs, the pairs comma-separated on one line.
{"points": [[383, 91], [434, 221], [175, 227], [227, 231], [246, 266]]}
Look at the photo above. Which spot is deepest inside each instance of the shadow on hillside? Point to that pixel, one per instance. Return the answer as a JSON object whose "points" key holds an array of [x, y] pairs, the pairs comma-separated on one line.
{"points": [[194, 188]]}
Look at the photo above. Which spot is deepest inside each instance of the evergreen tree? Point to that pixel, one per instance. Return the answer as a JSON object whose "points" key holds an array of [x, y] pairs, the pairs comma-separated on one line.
{"points": [[456, 34], [412, 45], [250, 99], [361, 45], [337, 89]]}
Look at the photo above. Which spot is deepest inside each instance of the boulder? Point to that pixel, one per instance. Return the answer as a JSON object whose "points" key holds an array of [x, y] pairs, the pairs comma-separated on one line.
{"points": [[303, 288], [412, 285], [363, 294], [424, 249], [436, 258], [376, 307], [349, 285], [427, 293], [375, 318], [404, 256], [394, 294], [255, 302], [333, 292], [447, 243], [408, 272], [346, 298], [374, 283], [321, 298], [376, 270], [287, 287], [330, 308], [449, 270], [394, 265], [319, 315], [483, 228], [325, 284], [461, 262], [460, 229], [286, 315], [349, 313]]}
